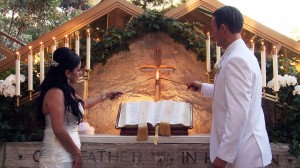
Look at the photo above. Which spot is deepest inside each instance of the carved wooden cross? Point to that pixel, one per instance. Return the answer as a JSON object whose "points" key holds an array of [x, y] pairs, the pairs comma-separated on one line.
{"points": [[158, 67]]}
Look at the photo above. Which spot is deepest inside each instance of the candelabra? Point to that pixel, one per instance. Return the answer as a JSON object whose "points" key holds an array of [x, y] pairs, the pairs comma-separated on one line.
{"points": [[210, 77], [18, 100], [274, 98]]}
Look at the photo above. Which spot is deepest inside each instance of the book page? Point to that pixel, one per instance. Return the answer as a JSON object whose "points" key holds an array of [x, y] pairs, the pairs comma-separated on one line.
{"points": [[181, 113], [133, 113], [155, 112]]}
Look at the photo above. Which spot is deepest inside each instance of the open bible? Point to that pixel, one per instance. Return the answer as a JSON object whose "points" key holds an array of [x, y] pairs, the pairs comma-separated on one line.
{"points": [[131, 114]]}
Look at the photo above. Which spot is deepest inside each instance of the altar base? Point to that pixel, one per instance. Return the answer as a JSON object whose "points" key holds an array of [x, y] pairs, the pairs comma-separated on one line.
{"points": [[108, 151]]}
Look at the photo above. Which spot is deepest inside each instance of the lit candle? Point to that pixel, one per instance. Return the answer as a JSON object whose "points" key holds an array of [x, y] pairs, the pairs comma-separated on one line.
{"points": [[88, 50], [30, 74], [18, 92], [66, 40], [218, 53], [263, 65], [207, 41], [53, 46], [77, 43], [157, 86], [275, 69], [42, 69], [252, 46]]}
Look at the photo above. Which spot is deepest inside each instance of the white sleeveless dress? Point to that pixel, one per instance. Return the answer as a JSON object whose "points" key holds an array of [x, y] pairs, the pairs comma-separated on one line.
{"points": [[52, 153]]}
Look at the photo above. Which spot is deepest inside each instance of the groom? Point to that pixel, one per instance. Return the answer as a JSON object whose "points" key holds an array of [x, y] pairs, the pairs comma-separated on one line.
{"points": [[238, 134]]}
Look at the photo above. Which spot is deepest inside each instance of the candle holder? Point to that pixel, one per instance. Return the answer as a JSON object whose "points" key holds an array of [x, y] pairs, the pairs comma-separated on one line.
{"points": [[274, 98], [157, 89], [30, 94], [87, 74], [210, 77], [18, 100]]}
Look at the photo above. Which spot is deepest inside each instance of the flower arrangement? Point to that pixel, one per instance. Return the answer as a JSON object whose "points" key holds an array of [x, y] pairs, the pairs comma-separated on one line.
{"points": [[7, 86], [287, 111], [285, 81]]}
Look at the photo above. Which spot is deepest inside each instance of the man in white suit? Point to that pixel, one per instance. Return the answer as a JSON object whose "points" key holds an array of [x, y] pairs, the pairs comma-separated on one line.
{"points": [[238, 134]]}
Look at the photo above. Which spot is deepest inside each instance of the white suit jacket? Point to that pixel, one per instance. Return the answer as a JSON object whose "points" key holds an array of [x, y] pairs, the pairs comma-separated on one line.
{"points": [[238, 132]]}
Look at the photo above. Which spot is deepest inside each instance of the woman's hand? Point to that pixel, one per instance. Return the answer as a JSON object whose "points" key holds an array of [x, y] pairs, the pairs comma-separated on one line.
{"points": [[77, 158], [114, 94]]}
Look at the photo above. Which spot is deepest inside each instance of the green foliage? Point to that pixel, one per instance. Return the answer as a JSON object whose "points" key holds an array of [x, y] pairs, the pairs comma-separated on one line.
{"points": [[18, 123], [117, 39], [27, 20]]}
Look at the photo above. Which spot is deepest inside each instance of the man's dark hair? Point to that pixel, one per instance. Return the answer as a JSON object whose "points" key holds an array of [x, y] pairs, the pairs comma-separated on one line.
{"points": [[231, 17]]}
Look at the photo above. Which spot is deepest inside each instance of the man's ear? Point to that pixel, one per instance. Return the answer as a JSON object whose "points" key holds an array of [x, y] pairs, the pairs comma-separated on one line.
{"points": [[68, 73], [223, 27]]}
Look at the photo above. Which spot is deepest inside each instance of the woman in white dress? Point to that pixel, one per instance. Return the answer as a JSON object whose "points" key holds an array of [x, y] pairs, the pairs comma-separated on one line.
{"points": [[62, 111]]}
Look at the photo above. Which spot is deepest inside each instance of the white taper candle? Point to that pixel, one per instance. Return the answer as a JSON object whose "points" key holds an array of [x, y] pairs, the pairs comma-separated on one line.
{"points": [[207, 42], [42, 62], [18, 88], [66, 41], [275, 69], [88, 50], [77, 43], [30, 71], [263, 65]]}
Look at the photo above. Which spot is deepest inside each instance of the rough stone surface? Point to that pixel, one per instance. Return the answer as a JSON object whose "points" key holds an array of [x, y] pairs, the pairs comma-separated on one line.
{"points": [[122, 72]]}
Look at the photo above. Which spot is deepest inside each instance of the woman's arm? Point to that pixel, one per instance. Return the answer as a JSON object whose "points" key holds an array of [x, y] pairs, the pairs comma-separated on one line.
{"points": [[90, 102]]}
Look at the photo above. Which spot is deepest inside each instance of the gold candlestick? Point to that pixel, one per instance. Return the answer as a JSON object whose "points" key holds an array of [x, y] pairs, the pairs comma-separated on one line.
{"points": [[18, 100], [87, 74], [274, 98], [210, 78], [30, 94]]}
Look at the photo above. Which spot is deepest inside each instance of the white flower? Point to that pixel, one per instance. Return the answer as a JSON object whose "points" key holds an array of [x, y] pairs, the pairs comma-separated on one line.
{"points": [[271, 84], [283, 81], [291, 80], [11, 79], [217, 66], [297, 90], [9, 91], [22, 78], [7, 86]]}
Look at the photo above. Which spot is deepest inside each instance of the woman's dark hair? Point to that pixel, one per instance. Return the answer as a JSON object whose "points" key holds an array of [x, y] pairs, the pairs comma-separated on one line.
{"points": [[63, 59], [231, 17]]}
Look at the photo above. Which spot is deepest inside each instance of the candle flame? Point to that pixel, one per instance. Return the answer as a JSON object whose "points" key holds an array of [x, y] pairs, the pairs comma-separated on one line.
{"points": [[17, 53], [88, 30], [66, 36], [157, 75], [30, 47], [41, 43], [53, 38]]}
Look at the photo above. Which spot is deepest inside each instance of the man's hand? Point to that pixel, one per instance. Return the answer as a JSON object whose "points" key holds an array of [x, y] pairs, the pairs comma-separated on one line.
{"points": [[219, 163], [194, 86]]}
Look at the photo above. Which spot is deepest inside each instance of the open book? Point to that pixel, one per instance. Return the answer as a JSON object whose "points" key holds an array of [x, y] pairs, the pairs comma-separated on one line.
{"points": [[178, 114]]}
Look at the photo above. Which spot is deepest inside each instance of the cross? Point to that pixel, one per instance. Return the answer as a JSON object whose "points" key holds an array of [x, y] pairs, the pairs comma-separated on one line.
{"points": [[158, 67]]}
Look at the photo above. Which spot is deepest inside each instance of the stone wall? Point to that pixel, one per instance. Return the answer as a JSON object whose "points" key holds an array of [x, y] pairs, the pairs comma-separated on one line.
{"points": [[139, 155]]}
